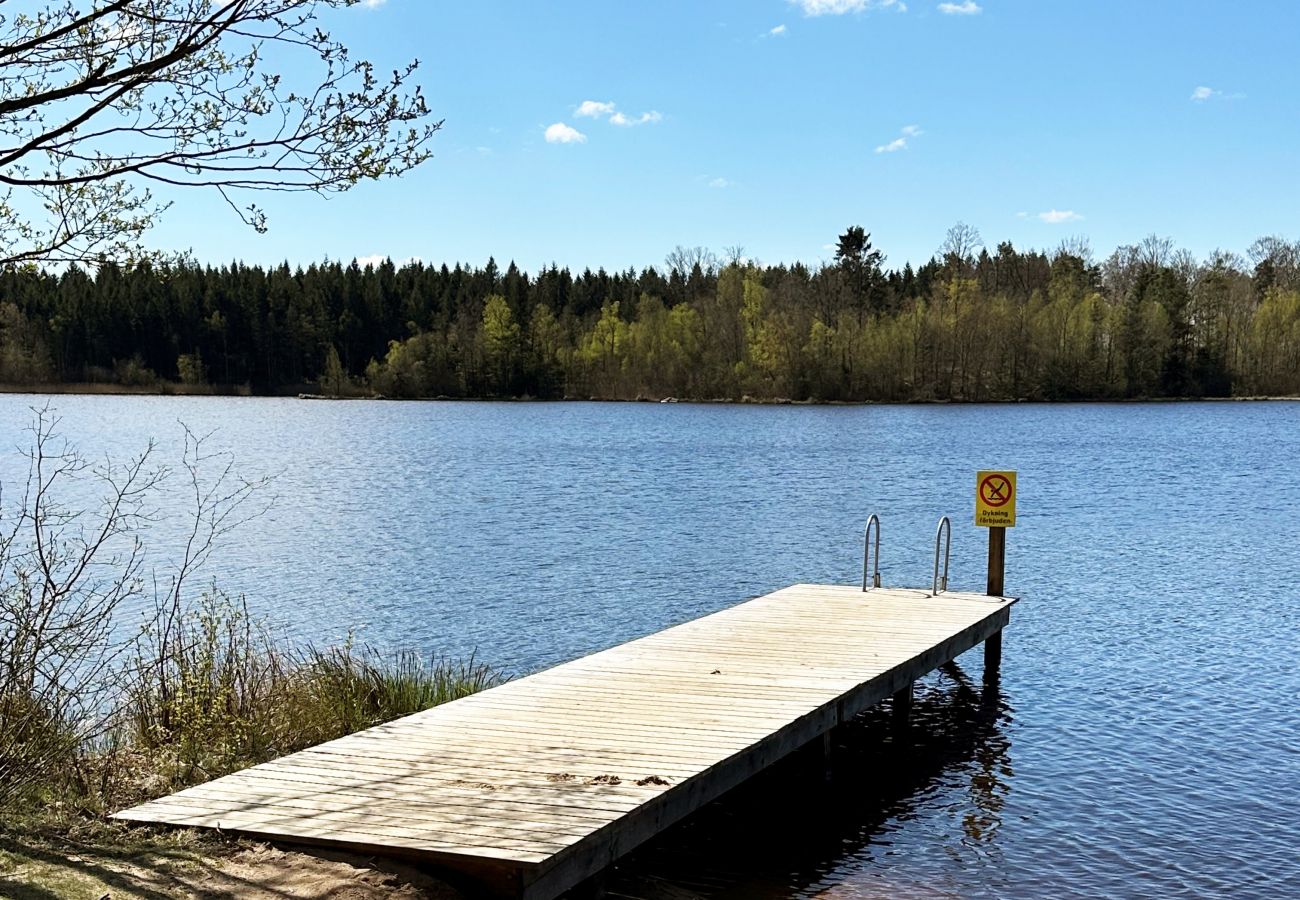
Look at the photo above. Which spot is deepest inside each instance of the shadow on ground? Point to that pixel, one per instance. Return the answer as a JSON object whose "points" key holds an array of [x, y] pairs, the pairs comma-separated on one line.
{"points": [[40, 868]]}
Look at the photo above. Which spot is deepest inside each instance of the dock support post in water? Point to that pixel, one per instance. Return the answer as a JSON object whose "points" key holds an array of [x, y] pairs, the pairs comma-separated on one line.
{"points": [[903, 708], [997, 571], [594, 888]]}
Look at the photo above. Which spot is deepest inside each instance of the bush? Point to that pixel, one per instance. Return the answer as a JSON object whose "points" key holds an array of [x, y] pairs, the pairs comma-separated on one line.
{"points": [[345, 689], [36, 745], [133, 372], [190, 368], [64, 572], [202, 690], [221, 694], [91, 715]]}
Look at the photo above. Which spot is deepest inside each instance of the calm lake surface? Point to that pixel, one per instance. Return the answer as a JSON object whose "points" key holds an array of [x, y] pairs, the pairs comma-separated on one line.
{"points": [[1145, 736]]}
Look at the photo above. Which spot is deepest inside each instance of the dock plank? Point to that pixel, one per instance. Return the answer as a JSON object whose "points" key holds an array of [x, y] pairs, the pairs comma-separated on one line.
{"points": [[535, 781]]}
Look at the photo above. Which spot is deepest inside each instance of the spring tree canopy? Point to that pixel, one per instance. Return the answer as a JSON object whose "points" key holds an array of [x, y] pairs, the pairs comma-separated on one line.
{"points": [[104, 103]]}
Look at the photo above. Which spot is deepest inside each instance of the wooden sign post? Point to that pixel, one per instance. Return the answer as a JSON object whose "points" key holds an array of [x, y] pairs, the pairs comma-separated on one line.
{"points": [[995, 509]]}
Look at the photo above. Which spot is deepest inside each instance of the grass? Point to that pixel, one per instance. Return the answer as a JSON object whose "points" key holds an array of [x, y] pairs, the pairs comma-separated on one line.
{"points": [[358, 690], [220, 694], [217, 695]]}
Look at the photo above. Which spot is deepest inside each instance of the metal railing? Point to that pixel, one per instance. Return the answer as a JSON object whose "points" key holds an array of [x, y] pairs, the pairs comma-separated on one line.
{"points": [[867, 555], [942, 535]]}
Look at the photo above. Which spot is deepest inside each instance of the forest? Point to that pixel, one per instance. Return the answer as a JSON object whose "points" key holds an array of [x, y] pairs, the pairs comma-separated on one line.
{"points": [[971, 324]]}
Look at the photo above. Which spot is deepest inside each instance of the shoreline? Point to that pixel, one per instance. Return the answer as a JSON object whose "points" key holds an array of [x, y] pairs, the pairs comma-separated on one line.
{"points": [[170, 389]]}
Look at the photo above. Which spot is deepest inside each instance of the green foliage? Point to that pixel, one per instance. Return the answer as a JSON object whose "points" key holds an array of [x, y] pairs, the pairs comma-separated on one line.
{"points": [[92, 713], [601, 352], [344, 689], [220, 694], [502, 346], [860, 263], [190, 368], [547, 351], [64, 572], [101, 101], [37, 744], [334, 379], [1274, 357], [24, 357], [422, 366], [133, 372], [970, 326], [206, 695]]}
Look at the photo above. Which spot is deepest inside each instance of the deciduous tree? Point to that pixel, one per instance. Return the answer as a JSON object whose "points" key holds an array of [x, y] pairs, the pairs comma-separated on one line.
{"points": [[104, 103]]}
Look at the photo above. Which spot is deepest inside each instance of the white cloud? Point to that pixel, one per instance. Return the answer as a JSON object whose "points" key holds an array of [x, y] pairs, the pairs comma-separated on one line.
{"points": [[593, 109], [1202, 94], [840, 7], [373, 4], [966, 8], [1059, 216], [778, 31], [608, 110], [375, 260], [559, 133], [720, 183], [900, 143], [648, 118]]}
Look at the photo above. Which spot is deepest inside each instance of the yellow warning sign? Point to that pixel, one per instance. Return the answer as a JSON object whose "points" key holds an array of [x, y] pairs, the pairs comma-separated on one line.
{"points": [[995, 499]]}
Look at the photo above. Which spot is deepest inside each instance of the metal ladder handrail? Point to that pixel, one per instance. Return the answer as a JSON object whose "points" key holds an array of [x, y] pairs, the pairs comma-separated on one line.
{"points": [[939, 585], [866, 553]]}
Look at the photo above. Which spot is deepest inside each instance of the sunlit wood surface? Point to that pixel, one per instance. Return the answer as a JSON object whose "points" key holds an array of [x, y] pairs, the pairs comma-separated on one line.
{"points": [[535, 785]]}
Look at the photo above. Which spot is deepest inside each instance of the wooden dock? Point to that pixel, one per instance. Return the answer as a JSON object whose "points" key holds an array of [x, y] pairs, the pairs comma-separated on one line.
{"points": [[532, 787]]}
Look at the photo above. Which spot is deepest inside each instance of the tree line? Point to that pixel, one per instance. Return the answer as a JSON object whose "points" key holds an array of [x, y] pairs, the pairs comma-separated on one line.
{"points": [[970, 324]]}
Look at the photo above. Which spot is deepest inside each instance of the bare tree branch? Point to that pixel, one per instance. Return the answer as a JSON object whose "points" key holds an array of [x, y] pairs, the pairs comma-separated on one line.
{"points": [[66, 575], [95, 104]]}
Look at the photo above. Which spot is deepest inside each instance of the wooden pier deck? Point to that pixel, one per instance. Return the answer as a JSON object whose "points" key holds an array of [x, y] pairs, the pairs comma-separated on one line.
{"points": [[531, 787]]}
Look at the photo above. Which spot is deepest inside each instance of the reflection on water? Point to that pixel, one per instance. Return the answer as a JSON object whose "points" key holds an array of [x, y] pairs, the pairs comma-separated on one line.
{"points": [[793, 832]]}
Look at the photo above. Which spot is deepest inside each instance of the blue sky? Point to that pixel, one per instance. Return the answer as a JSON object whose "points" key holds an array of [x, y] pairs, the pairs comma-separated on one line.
{"points": [[774, 125]]}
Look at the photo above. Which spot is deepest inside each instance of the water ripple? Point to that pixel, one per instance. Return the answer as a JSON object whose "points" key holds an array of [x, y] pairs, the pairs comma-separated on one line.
{"points": [[1146, 737]]}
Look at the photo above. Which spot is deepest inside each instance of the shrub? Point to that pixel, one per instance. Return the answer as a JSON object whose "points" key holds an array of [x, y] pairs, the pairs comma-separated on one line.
{"points": [[349, 689], [64, 572], [221, 694], [91, 714], [190, 368]]}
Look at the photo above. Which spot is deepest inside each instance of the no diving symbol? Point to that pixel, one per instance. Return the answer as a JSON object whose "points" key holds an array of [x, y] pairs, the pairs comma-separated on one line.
{"points": [[995, 491]]}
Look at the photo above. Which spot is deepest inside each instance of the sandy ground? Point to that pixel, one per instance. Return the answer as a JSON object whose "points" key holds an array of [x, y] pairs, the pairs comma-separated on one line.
{"points": [[253, 872]]}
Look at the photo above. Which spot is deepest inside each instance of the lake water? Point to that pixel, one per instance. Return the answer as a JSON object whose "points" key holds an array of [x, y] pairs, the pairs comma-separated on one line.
{"points": [[1145, 737]]}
